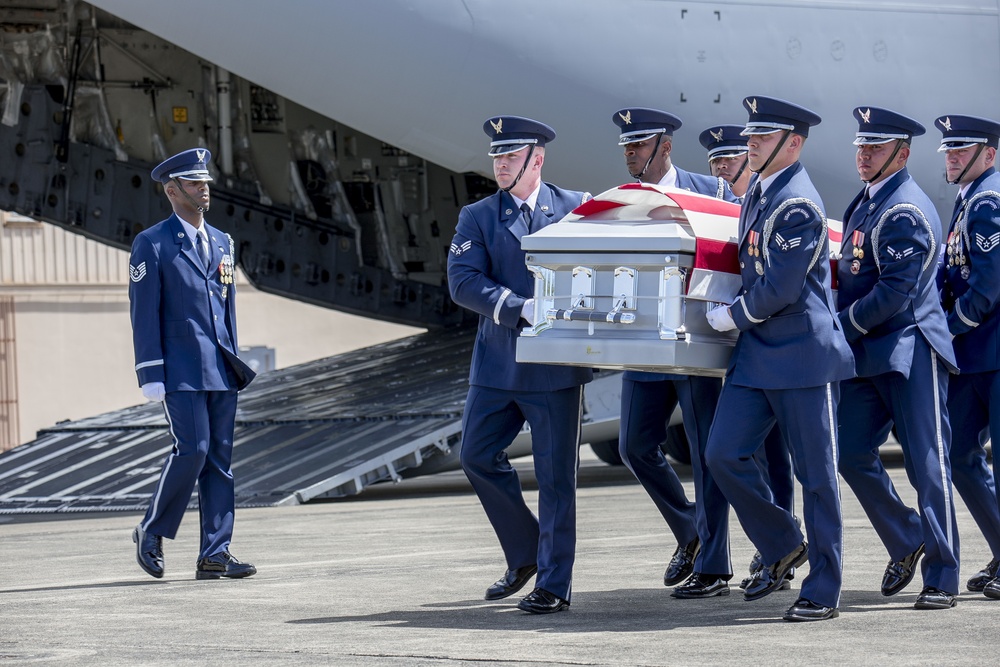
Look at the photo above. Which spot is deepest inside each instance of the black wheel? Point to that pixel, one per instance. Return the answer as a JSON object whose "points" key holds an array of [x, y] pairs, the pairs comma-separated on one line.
{"points": [[676, 445], [607, 451]]}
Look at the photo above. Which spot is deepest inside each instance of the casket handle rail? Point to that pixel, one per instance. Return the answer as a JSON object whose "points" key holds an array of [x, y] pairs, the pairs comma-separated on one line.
{"points": [[613, 316]]}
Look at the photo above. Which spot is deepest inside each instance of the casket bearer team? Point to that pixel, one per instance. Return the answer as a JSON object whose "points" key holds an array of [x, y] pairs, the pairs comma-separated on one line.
{"points": [[786, 366], [727, 159], [648, 399], [889, 309], [487, 274], [970, 280], [183, 308]]}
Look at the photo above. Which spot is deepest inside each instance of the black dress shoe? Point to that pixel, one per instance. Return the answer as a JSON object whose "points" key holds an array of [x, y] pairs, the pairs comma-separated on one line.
{"points": [[899, 573], [979, 580], [148, 551], [223, 564], [992, 590], [511, 582], [682, 563], [934, 598], [540, 601], [807, 610], [773, 576], [785, 585], [701, 586]]}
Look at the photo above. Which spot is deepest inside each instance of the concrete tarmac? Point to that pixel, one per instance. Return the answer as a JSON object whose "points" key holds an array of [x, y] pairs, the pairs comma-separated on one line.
{"points": [[396, 577]]}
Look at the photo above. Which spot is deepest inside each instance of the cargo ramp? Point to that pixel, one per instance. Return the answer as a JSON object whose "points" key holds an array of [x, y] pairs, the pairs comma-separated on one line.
{"points": [[320, 430]]}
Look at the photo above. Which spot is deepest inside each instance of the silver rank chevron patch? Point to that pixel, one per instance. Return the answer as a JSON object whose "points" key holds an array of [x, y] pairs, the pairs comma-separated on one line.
{"points": [[784, 245], [459, 249], [137, 273], [898, 254], [987, 244]]}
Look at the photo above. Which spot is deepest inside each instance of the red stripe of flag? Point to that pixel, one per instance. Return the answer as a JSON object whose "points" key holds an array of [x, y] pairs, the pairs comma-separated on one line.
{"points": [[595, 206], [716, 256], [706, 205]]}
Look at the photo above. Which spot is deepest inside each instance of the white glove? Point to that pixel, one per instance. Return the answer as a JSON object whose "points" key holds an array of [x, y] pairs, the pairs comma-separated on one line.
{"points": [[528, 311], [720, 319], [154, 391]]}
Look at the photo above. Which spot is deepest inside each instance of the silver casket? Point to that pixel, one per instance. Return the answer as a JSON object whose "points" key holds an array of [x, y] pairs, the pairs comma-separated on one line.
{"points": [[625, 280]]}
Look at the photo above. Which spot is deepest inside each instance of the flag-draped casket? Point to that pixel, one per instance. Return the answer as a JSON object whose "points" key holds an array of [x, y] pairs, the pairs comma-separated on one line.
{"points": [[625, 280]]}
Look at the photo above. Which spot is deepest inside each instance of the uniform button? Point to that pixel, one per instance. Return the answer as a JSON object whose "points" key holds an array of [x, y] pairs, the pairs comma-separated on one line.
{"points": [[211, 293], [742, 266], [216, 317]]}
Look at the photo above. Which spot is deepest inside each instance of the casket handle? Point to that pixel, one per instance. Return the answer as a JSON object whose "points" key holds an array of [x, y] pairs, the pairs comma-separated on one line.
{"points": [[571, 315]]}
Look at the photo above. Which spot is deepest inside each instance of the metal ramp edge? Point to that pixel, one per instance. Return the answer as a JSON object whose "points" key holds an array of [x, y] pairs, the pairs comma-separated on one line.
{"points": [[321, 430], [381, 468]]}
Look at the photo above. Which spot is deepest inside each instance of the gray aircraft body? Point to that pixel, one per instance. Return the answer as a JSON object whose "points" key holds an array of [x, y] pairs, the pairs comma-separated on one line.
{"points": [[348, 133]]}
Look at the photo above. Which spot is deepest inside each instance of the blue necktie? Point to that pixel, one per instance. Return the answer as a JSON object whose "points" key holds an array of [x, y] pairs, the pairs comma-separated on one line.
{"points": [[202, 245], [959, 204], [526, 215], [859, 210], [754, 197]]}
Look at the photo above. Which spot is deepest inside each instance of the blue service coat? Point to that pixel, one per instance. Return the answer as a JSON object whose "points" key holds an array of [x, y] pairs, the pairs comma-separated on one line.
{"points": [[785, 368], [892, 315], [971, 285], [184, 316], [487, 274], [789, 335], [889, 292], [970, 280], [184, 335]]}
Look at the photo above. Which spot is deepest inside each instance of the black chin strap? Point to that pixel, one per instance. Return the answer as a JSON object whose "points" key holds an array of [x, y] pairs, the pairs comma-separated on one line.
{"points": [[968, 166], [746, 161], [899, 144], [656, 148], [777, 148], [523, 167], [201, 209]]}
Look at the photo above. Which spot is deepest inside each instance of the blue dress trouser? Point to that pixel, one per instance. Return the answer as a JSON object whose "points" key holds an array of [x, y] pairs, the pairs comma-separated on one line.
{"points": [[492, 419], [917, 405], [974, 415], [201, 425], [646, 409], [806, 417]]}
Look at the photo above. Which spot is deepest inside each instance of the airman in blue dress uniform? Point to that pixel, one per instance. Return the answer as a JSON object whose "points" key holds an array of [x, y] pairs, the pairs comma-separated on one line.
{"points": [[970, 281], [648, 399], [727, 159], [727, 156], [487, 274], [891, 314], [183, 309], [785, 315]]}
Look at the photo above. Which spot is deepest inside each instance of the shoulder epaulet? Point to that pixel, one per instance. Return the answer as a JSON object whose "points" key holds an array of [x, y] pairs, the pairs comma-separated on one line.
{"points": [[787, 209], [912, 213], [981, 199]]}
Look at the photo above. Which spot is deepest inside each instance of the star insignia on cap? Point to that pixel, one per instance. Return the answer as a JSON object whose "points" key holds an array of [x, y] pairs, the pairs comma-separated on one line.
{"points": [[866, 116], [946, 124], [201, 155], [716, 135], [753, 105], [627, 117], [497, 126]]}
